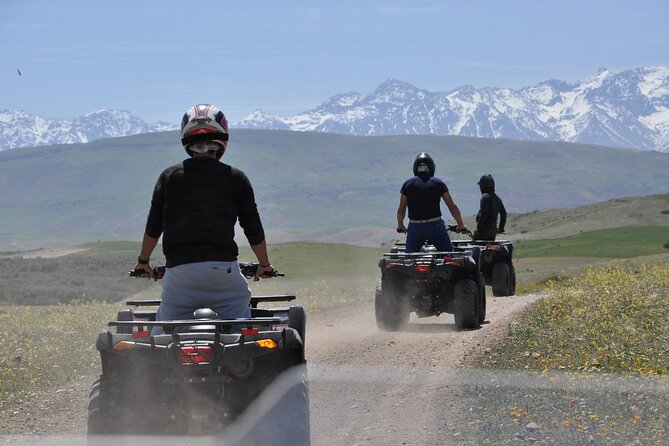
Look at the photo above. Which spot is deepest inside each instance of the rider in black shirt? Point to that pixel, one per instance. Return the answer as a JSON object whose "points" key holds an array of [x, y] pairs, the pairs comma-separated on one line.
{"points": [[195, 206], [490, 206]]}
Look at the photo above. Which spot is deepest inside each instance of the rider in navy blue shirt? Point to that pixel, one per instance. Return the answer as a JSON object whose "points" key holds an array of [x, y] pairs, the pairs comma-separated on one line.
{"points": [[422, 194]]}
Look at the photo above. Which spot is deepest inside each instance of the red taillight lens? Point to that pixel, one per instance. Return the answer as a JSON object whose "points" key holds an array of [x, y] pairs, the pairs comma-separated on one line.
{"points": [[196, 355], [422, 268], [140, 334], [249, 331], [448, 258]]}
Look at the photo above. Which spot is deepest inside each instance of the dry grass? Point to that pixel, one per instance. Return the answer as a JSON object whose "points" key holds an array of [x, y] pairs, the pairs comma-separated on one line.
{"points": [[43, 347], [613, 320], [589, 365]]}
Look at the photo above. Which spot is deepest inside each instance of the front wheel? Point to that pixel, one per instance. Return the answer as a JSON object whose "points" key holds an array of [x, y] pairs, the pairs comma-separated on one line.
{"points": [[465, 297], [389, 308]]}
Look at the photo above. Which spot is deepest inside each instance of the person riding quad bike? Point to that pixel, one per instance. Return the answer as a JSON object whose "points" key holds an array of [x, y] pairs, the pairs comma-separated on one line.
{"points": [[422, 194], [195, 206], [490, 206]]}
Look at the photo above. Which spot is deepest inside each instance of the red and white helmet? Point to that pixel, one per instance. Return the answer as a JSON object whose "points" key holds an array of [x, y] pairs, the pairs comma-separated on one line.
{"points": [[204, 123]]}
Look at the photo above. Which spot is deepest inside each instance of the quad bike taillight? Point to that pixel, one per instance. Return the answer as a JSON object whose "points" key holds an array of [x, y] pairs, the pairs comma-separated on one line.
{"points": [[423, 268], [196, 354]]}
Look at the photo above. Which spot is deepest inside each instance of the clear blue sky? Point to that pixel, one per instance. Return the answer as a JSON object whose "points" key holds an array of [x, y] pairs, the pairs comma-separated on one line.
{"points": [[156, 58]]}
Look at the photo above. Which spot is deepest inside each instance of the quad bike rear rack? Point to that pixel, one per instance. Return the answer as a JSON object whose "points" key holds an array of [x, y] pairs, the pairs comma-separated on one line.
{"points": [[255, 300]]}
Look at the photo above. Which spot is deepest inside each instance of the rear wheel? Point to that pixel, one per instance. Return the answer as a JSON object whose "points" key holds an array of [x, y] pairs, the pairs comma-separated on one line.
{"points": [[390, 307], [298, 321], [465, 297], [105, 410], [482, 299], [501, 280], [116, 409]]}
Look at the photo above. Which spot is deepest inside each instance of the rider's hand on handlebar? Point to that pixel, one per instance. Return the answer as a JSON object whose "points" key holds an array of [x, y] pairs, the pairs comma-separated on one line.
{"points": [[145, 267], [262, 270], [462, 229]]}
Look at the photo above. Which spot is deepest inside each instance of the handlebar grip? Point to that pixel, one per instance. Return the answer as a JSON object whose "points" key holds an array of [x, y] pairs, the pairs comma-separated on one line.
{"points": [[249, 270], [137, 273], [454, 228], [158, 273]]}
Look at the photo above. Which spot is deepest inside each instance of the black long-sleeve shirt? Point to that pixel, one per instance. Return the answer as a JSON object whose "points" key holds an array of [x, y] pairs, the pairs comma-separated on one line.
{"points": [[486, 220], [195, 206]]}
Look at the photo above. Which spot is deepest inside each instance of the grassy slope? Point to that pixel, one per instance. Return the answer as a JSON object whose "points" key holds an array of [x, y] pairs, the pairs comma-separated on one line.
{"points": [[652, 210], [625, 242], [306, 183]]}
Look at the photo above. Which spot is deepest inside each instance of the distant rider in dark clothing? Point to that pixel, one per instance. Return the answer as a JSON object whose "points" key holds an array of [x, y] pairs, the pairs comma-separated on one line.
{"points": [[422, 194], [491, 205], [195, 206]]}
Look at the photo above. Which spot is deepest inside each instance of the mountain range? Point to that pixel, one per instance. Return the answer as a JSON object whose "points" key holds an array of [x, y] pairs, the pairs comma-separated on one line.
{"points": [[625, 109], [22, 129]]}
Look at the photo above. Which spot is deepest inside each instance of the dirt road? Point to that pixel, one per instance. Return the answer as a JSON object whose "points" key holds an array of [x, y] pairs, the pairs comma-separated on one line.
{"points": [[366, 386], [372, 387]]}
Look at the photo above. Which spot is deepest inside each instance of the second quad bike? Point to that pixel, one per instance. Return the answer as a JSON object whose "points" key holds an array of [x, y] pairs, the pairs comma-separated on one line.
{"points": [[197, 377], [496, 263], [429, 283]]}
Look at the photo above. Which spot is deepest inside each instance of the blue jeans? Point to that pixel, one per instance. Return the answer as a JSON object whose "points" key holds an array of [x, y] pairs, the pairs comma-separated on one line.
{"points": [[434, 232], [216, 285]]}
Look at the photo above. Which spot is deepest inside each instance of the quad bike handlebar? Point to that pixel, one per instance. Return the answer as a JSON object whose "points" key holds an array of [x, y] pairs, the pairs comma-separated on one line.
{"points": [[248, 270], [454, 228]]}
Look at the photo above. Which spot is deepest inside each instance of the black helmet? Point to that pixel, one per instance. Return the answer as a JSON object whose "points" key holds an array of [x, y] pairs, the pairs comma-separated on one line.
{"points": [[486, 183], [424, 164]]}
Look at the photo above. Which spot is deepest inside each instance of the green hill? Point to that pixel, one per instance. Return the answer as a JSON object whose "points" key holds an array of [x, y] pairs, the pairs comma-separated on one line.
{"points": [[623, 242], [308, 185], [652, 210]]}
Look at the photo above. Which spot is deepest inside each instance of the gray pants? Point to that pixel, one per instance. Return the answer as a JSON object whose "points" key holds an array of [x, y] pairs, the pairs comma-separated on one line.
{"points": [[216, 285]]}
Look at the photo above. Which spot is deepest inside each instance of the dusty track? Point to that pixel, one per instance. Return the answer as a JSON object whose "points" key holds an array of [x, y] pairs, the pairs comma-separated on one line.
{"points": [[366, 386], [373, 387]]}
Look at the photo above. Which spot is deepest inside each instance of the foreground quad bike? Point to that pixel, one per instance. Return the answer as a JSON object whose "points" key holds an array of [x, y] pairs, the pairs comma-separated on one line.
{"points": [[196, 378], [430, 283], [496, 263]]}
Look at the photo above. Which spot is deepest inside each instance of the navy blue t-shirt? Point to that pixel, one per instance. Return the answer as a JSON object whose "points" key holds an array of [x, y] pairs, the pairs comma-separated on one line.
{"points": [[423, 197]]}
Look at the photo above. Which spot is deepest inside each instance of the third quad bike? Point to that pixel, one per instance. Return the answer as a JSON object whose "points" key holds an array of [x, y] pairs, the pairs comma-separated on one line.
{"points": [[196, 378], [496, 262], [430, 283]]}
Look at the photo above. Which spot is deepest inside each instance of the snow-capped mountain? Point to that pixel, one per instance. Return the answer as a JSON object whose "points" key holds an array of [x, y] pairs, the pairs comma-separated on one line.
{"points": [[625, 109], [21, 129]]}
